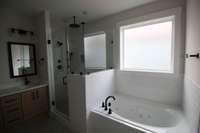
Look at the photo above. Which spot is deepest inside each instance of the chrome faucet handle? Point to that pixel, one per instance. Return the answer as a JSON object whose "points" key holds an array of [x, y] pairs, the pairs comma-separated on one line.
{"points": [[103, 105]]}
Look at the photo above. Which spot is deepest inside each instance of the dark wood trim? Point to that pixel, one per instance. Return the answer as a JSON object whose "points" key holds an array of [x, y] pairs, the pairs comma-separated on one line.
{"points": [[11, 61]]}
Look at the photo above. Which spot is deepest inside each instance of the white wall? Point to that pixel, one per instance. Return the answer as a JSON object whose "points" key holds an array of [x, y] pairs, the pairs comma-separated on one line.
{"points": [[192, 66], [12, 19], [41, 49], [147, 85], [160, 88], [86, 93], [77, 103], [98, 86], [192, 104]]}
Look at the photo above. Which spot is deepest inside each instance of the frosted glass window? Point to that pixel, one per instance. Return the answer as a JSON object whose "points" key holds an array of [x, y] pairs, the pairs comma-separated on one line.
{"points": [[95, 51], [148, 47]]}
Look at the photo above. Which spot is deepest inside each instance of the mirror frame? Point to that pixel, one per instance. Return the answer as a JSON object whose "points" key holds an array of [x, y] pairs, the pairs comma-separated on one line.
{"points": [[11, 60]]}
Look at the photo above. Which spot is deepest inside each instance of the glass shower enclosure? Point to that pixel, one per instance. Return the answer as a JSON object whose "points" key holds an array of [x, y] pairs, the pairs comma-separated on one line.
{"points": [[60, 71], [68, 58]]}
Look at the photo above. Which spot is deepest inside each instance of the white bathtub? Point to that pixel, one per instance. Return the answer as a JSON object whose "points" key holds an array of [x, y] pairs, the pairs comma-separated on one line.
{"points": [[137, 116], [145, 112]]}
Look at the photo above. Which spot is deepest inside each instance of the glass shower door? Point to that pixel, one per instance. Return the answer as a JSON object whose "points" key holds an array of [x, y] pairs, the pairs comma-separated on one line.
{"points": [[60, 71]]}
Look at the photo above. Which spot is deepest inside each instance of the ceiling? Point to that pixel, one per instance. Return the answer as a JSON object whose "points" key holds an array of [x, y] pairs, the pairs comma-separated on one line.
{"points": [[93, 9]]}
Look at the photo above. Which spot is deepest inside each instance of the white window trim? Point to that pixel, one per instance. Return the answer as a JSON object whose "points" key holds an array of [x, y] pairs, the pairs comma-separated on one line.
{"points": [[177, 40], [145, 23], [96, 33]]}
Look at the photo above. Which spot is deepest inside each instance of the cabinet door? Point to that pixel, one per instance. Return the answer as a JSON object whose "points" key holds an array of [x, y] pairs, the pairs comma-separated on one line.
{"points": [[42, 100], [1, 118], [29, 104], [1, 122]]}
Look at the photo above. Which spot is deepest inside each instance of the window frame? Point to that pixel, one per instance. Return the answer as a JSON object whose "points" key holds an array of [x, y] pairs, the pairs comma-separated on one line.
{"points": [[122, 28]]}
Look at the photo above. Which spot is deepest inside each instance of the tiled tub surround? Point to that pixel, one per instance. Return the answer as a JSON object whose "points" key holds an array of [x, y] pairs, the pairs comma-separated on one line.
{"points": [[159, 117], [157, 87]]}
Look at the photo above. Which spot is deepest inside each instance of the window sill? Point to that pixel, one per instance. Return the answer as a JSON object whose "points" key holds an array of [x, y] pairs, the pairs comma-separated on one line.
{"points": [[148, 71]]}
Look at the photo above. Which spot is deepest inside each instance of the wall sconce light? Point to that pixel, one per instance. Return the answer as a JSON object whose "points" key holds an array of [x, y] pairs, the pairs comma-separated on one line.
{"points": [[21, 31]]}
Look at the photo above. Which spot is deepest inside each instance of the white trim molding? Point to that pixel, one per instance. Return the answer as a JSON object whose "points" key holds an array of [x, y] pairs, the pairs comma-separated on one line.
{"points": [[176, 14]]}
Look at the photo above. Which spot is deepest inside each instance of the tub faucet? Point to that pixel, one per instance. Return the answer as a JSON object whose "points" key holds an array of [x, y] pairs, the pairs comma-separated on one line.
{"points": [[106, 102]]}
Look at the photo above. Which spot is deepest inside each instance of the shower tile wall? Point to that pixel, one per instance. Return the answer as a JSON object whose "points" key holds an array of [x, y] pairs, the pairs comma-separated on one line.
{"points": [[168, 89]]}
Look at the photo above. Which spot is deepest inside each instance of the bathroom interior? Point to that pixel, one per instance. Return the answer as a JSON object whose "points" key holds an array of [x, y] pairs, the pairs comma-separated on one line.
{"points": [[107, 66]]}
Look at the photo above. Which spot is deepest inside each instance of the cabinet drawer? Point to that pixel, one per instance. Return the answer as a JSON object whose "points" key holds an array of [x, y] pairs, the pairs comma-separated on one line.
{"points": [[11, 104], [11, 100], [13, 115], [12, 109], [12, 120]]}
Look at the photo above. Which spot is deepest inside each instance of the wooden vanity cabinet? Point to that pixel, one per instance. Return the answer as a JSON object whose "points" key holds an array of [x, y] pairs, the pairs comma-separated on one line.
{"points": [[12, 109], [23, 106], [35, 102]]}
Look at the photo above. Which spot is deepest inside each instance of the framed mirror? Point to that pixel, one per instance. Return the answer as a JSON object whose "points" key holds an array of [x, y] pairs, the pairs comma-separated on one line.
{"points": [[22, 59]]}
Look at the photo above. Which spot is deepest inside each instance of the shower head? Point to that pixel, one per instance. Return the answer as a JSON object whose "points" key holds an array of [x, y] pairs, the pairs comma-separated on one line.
{"points": [[74, 25]]}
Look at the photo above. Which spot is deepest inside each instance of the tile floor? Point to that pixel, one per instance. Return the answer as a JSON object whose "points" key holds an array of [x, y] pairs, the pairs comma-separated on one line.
{"points": [[38, 125]]}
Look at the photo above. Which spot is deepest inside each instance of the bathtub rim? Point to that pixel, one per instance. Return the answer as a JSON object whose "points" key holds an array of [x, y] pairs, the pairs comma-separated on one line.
{"points": [[174, 111], [131, 124], [182, 126]]}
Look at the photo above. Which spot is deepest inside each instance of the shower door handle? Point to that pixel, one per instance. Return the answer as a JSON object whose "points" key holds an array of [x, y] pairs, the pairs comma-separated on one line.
{"points": [[64, 78]]}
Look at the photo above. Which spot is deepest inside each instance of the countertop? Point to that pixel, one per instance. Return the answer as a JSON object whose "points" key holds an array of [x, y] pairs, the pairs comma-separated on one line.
{"points": [[20, 89]]}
